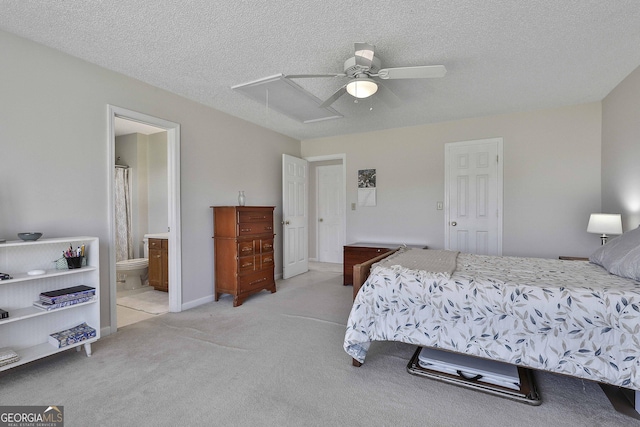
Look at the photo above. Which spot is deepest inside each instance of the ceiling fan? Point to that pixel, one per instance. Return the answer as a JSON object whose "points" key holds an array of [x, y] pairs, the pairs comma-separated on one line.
{"points": [[364, 73]]}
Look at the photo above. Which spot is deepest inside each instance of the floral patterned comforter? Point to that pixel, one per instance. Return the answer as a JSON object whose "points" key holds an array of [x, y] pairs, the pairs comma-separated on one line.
{"points": [[569, 317]]}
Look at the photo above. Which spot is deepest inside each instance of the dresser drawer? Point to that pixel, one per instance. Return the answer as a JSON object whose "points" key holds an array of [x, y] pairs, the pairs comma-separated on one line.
{"points": [[245, 248], [256, 280], [246, 264], [158, 243], [266, 245], [255, 216], [248, 229], [266, 260]]}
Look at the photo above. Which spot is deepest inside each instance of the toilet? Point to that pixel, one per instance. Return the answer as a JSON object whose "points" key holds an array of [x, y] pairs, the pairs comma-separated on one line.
{"points": [[134, 269]]}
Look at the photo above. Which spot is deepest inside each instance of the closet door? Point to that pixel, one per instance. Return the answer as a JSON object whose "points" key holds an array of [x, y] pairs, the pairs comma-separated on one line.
{"points": [[473, 196]]}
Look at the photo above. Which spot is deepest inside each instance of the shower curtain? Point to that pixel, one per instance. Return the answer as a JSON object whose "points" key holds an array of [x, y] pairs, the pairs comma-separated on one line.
{"points": [[124, 241]]}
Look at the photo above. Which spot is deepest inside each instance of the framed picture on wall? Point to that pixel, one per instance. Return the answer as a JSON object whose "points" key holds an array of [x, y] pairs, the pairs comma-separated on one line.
{"points": [[367, 187]]}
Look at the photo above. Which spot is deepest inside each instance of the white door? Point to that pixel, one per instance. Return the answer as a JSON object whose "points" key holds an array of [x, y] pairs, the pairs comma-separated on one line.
{"points": [[473, 196], [330, 213], [295, 218]]}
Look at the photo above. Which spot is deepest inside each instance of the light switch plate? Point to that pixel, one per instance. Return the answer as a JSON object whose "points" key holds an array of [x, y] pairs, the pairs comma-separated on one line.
{"points": [[439, 206]]}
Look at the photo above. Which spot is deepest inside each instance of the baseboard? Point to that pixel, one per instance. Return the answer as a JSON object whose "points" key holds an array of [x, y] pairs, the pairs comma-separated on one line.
{"points": [[196, 303], [104, 331]]}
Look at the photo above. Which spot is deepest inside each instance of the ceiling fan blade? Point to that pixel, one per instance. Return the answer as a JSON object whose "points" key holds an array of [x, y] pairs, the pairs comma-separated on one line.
{"points": [[419, 72], [307, 76], [333, 98], [387, 96], [364, 54]]}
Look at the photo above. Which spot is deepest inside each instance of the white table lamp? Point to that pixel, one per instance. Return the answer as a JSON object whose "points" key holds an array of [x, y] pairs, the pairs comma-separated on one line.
{"points": [[605, 224]]}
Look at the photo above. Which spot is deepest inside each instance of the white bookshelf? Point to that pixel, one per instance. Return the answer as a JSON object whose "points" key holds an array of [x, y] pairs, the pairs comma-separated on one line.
{"points": [[27, 329]]}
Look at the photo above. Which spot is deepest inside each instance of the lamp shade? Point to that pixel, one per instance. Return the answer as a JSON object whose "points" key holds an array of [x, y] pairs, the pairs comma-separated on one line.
{"points": [[362, 87], [600, 223]]}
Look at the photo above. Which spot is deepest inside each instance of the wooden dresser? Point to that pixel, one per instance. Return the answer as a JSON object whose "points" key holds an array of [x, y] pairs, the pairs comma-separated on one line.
{"points": [[159, 264], [243, 251], [357, 253]]}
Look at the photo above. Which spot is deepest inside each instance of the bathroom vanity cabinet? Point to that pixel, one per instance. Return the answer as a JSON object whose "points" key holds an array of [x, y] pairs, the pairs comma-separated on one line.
{"points": [[243, 251], [159, 264], [33, 269]]}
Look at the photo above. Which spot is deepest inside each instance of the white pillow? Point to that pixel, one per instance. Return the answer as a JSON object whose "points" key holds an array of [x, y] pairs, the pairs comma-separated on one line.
{"points": [[621, 256]]}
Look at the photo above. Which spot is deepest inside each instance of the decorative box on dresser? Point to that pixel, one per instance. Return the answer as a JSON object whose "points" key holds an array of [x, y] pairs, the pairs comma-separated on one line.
{"points": [[243, 251], [159, 264]]}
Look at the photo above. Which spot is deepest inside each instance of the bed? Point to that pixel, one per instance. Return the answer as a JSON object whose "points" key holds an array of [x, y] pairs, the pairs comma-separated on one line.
{"points": [[570, 317]]}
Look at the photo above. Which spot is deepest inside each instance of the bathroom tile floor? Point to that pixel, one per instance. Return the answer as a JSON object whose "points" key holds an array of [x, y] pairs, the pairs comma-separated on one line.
{"points": [[128, 316]]}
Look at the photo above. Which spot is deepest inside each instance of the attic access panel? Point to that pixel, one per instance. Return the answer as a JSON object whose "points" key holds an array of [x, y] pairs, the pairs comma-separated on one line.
{"points": [[283, 95]]}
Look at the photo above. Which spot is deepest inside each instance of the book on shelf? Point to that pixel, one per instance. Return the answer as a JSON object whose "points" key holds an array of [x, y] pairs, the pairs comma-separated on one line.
{"points": [[45, 306], [66, 294], [8, 356], [68, 337]]}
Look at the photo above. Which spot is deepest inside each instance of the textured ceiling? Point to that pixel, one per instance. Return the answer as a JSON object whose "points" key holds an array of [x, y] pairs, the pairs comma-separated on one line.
{"points": [[501, 55]]}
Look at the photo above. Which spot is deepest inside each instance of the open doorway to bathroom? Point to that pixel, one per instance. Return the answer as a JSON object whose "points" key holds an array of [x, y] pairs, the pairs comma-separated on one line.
{"points": [[141, 200], [144, 212]]}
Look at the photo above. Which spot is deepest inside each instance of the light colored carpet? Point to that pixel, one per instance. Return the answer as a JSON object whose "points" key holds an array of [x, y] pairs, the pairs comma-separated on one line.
{"points": [[277, 360], [152, 302]]}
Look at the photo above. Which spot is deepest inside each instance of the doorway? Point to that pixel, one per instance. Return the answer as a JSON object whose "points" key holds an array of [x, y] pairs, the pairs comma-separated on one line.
{"points": [[330, 213], [295, 252], [328, 210], [173, 203], [473, 196]]}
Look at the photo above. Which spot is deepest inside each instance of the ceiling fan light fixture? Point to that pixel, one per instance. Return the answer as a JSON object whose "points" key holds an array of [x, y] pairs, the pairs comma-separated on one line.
{"points": [[362, 87]]}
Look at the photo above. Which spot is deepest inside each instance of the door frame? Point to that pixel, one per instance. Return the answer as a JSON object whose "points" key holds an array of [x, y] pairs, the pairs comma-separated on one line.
{"points": [[173, 180], [500, 178], [343, 157]]}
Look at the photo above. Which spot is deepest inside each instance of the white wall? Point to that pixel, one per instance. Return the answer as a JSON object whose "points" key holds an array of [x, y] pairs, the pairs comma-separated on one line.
{"points": [[621, 151], [157, 182], [551, 179], [53, 146]]}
